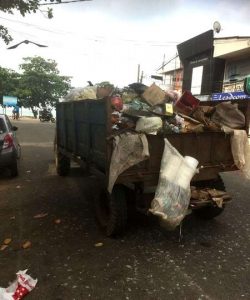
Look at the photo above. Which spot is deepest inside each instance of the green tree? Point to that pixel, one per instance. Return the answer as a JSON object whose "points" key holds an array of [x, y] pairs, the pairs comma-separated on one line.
{"points": [[9, 81], [24, 7], [41, 84]]}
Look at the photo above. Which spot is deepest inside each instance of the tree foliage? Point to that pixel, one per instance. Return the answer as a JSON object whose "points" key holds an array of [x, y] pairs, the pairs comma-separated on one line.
{"points": [[38, 85], [24, 7], [41, 84], [9, 81]]}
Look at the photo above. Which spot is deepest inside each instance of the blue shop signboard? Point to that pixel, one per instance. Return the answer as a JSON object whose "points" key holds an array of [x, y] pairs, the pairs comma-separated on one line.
{"points": [[9, 101], [230, 96]]}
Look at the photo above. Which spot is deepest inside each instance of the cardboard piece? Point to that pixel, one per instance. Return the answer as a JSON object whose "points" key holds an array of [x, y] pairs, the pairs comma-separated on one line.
{"points": [[154, 95]]}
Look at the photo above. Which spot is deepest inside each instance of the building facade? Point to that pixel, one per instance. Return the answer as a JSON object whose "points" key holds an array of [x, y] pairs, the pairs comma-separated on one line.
{"points": [[206, 65]]}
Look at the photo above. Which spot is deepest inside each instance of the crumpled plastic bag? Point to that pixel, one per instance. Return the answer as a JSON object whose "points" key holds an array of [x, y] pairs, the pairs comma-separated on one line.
{"points": [[173, 192], [81, 93], [23, 285], [241, 151], [150, 125]]}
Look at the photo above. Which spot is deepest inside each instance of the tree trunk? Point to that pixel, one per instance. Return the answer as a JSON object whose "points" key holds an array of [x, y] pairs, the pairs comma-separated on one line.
{"points": [[34, 111]]}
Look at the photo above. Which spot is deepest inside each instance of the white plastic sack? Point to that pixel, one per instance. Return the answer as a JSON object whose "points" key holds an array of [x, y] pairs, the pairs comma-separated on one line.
{"points": [[241, 151], [172, 195], [81, 93], [149, 125]]}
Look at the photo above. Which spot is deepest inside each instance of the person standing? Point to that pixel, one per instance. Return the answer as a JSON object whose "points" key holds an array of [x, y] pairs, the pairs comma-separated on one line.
{"points": [[17, 112], [13, 113]]}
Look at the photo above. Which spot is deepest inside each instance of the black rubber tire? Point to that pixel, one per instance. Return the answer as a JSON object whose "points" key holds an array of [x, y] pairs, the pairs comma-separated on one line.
{"points": [[111, 210], [62, 164], [217, 183], [14, 169], [211, 211]]}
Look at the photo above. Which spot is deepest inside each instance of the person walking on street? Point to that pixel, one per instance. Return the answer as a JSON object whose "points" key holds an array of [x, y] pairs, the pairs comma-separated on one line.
{"points": [[15, 113]]}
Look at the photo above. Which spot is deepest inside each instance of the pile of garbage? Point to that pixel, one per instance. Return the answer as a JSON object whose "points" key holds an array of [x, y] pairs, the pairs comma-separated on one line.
{"points": [[151, 110], [90, 92]]}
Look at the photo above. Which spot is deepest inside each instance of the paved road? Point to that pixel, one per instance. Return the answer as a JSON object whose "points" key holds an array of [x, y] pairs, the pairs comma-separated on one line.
{"points": [[212, 261]]}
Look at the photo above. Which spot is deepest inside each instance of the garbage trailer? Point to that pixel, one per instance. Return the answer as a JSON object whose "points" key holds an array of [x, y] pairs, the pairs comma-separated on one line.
{"points": [[84, 134]]}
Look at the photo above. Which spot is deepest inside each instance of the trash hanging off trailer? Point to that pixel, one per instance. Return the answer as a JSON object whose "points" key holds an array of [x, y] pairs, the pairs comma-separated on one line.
{"points": [[173, 192], [128, 150]]}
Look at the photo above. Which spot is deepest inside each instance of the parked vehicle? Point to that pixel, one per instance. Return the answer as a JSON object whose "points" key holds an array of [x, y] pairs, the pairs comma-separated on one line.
{"points": [[10, 150], [45, 115], [83, 134]]}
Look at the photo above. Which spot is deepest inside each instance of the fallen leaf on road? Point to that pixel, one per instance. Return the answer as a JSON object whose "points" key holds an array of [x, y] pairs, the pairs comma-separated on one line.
{"points": [[58, 221], [18, 186], [28, 171], [12, 218], [7, 241], [26, 245], [98, 244], [42, 215], [3, 247]]}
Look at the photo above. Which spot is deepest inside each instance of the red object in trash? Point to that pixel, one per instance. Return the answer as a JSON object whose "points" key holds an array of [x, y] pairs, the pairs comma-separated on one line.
{"points": [[117, 103], [187, 102], [20, 292]]}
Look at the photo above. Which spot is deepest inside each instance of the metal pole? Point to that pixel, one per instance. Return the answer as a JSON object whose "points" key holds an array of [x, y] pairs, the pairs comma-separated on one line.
{"points": [[138, 73], [141, 77]]}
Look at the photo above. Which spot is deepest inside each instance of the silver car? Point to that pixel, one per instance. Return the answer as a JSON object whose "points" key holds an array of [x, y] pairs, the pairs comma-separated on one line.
{"points": [[10, 150]]}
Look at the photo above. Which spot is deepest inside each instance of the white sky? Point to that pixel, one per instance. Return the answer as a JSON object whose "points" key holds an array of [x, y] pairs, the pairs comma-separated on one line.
{"points": [[105, 40]]}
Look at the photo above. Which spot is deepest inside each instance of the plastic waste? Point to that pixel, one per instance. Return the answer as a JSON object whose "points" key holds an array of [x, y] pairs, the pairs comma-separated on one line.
{"points": [[173, 192], [150, 125], [23, 285], [241, 151], [116, 102], [137, 104], [81, 93]]}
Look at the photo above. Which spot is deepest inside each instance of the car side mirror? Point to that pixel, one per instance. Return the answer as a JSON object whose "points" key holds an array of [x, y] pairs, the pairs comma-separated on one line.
{"points": [[14, 128]]}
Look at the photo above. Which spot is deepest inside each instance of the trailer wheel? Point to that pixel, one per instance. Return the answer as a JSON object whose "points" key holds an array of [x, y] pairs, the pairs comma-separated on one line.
{"points": [[211, 211], [111, 210], [62, 164], [14, 169]]}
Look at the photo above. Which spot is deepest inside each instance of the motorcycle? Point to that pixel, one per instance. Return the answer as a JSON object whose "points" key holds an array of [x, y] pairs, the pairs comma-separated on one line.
{"points": [[46, 116]]}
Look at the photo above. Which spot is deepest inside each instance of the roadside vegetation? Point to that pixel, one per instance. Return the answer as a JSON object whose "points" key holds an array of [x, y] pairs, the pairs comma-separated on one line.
{"points": [[39, 83]]}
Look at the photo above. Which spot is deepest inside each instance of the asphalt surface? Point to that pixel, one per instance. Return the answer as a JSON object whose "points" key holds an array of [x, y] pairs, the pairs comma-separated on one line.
{"points": [[211, 261]]}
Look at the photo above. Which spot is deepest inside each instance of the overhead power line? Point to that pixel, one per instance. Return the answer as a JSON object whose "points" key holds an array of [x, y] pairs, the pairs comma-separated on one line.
{"points": [[64, 2], [95, 38]]}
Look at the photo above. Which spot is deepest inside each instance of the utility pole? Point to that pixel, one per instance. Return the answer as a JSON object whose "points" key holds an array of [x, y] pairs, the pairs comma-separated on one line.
{"points": [[141, 77], [138, 72]]}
